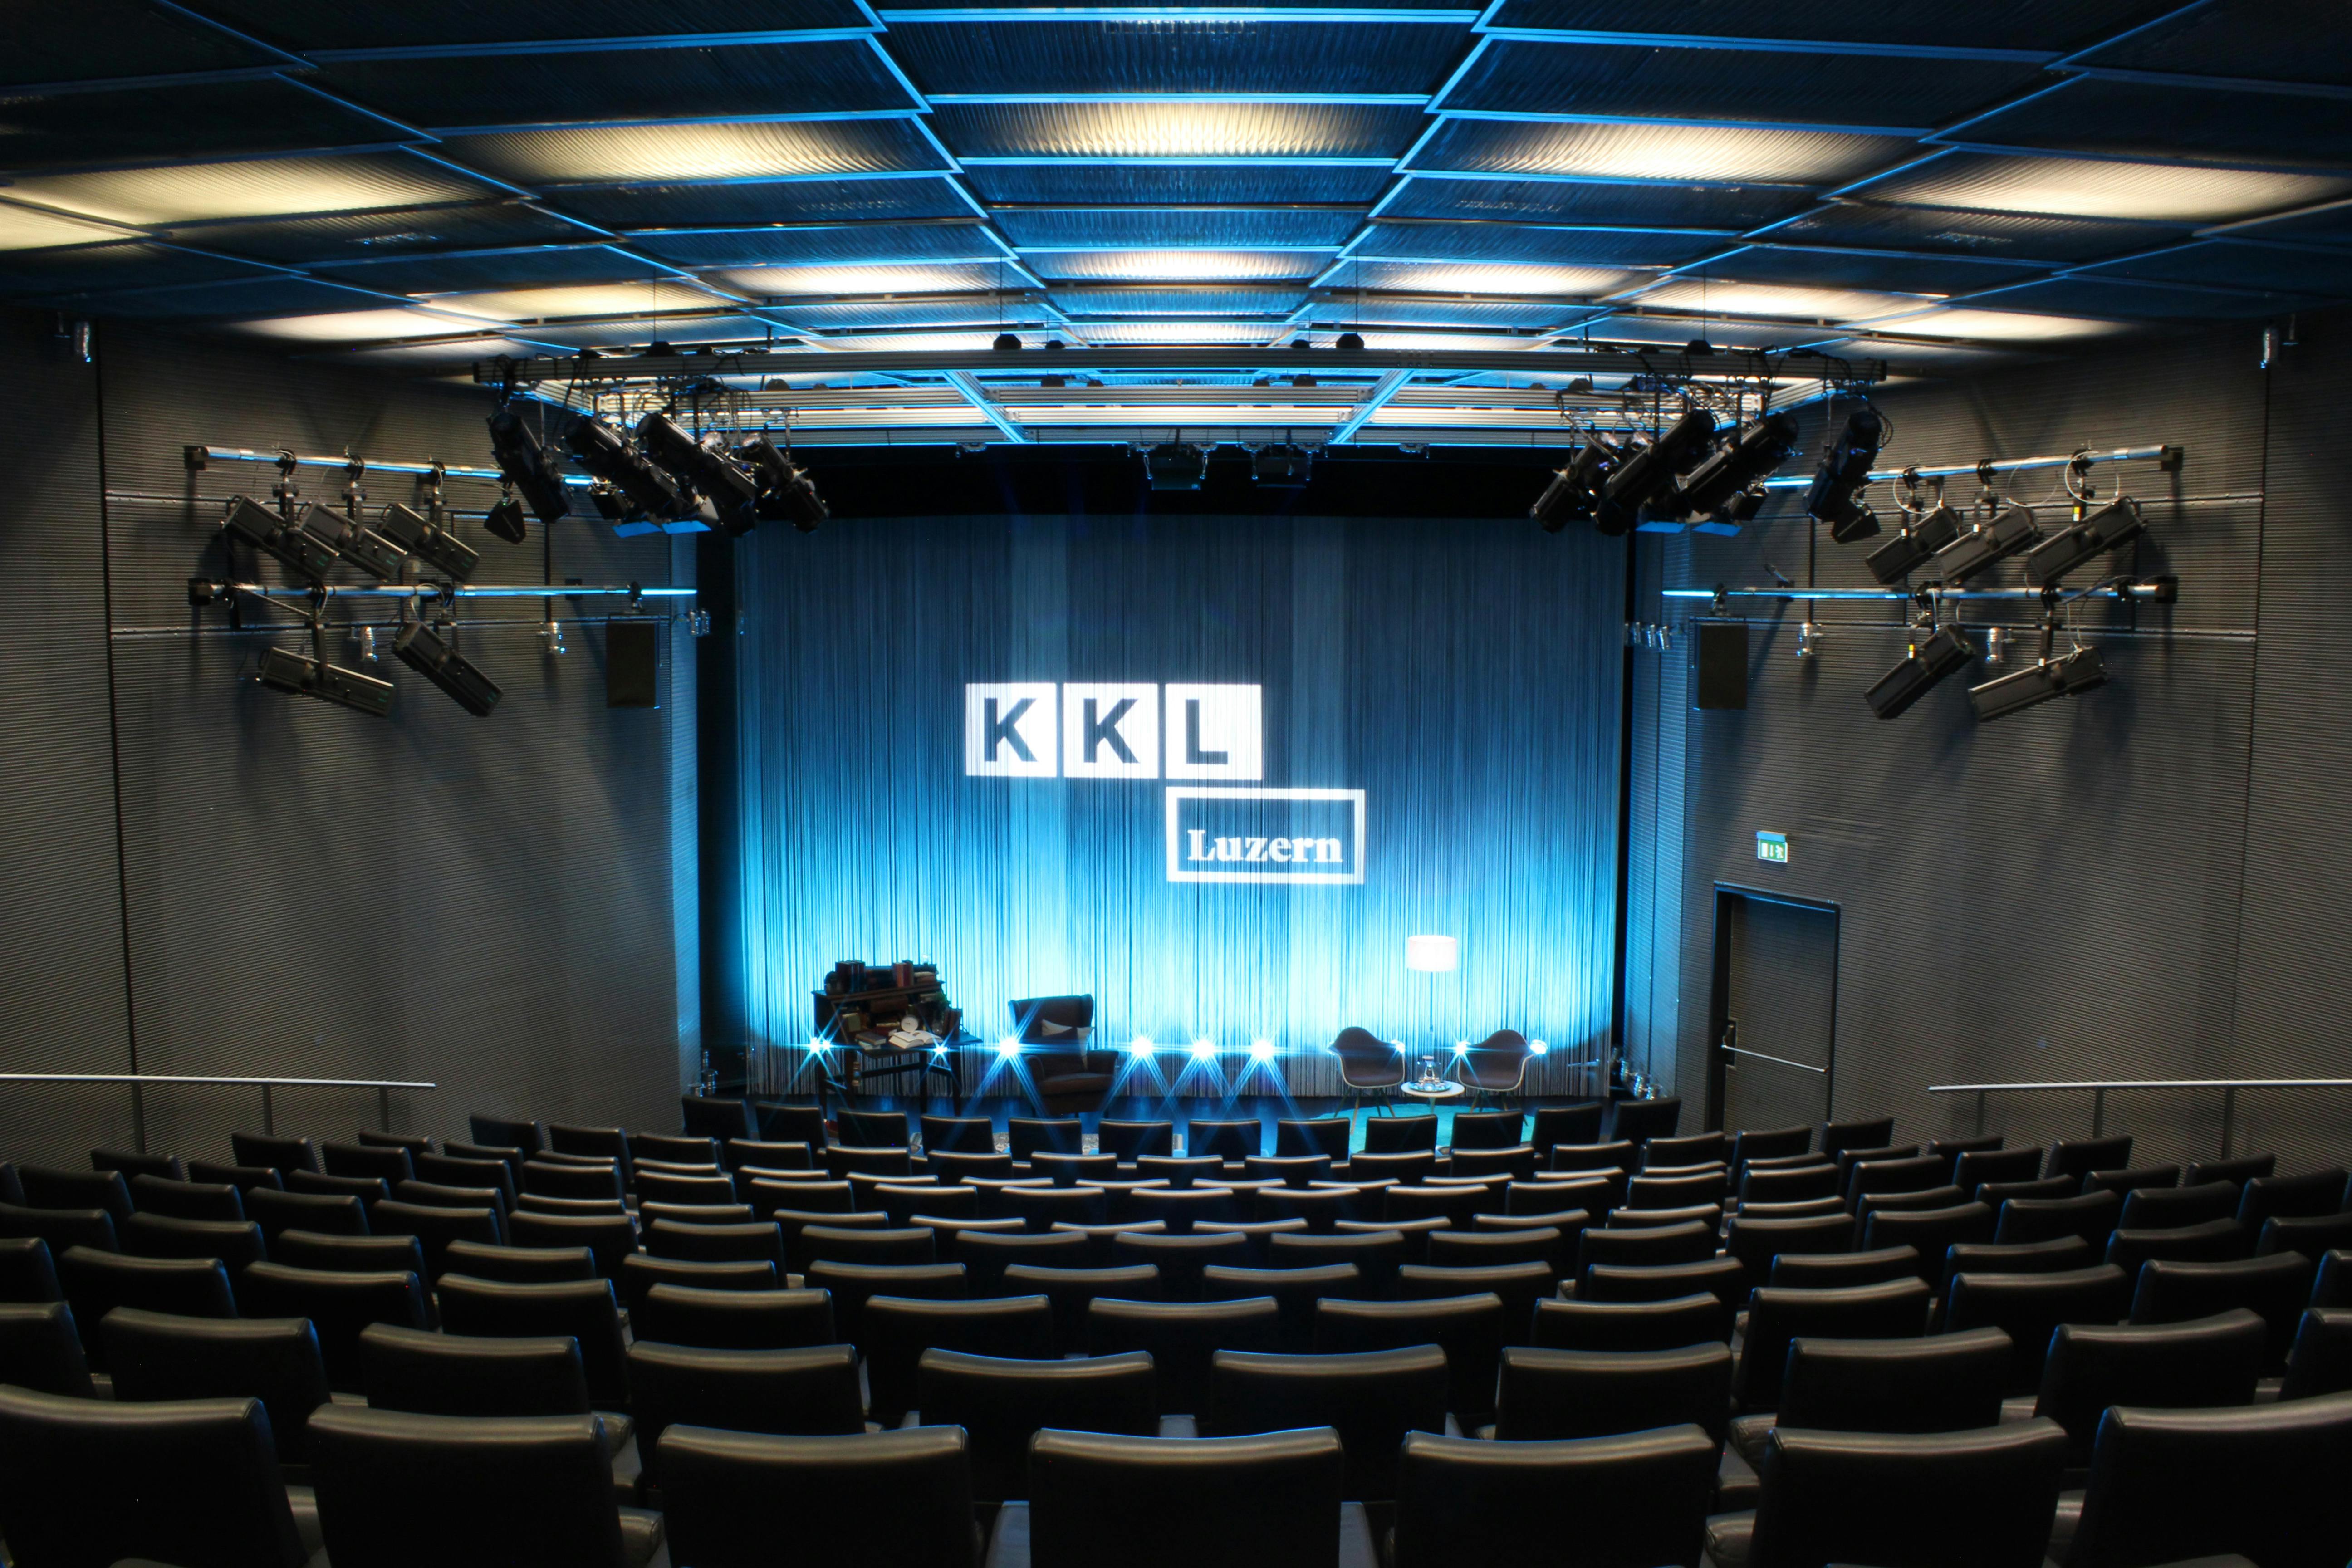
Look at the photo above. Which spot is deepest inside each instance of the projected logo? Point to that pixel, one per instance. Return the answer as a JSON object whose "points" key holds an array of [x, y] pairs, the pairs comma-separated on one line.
{"points": [[1265, 835]]}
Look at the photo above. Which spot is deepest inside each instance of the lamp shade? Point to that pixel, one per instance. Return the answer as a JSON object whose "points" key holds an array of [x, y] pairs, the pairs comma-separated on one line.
{"points": [[1431, 955]]}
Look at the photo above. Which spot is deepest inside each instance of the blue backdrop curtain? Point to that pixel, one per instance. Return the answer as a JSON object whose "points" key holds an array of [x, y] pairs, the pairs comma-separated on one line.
{"points": [[1465, 676]]}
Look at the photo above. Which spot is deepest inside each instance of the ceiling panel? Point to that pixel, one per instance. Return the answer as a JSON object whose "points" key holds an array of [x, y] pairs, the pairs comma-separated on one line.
{"points": [[748, 203], [1527, 243], [2089, 188], [1583, 202], [978, 309], [2145, 119], [380, 24], [1997, 324], [1086, 184], [680, 332], [2238, 264], [1780, 86], [1673, 332], [1514, 280], [358, 326], [1178, 266], [384, 232], [1169, 55], [665, 153], [275, 187], [98, 268], [1160, 227], [1681, 153], [874, 242], [275, 293], [2329, 223], [2131, 298], [26, 228], [1178, 130], [171, 124], [648, 297], [1708, 295], [2269, 39], [1382, 309], [574, 88], [2052, 25], [1860, 270], [1107, 332], [50, 43], [2025, 237], [917, 278], [1203, 300], [493, 269]]}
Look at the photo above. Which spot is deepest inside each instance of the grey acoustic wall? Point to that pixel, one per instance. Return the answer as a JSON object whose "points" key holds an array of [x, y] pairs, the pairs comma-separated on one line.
{"points": [[2145, 882], [485, 904]]}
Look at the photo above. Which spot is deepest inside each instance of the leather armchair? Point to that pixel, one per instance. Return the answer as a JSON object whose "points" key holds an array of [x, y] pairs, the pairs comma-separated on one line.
{"points": [[1628, 1326], [2031, 1306], [155, 1356], [809, 1392], [583, 1309], [641, 1273], [2263, 1480], [2208, 1363], [733, 1320], [1181, 1336], [1267, 1502], [41, 1350], [1003, 1404], [899, 1330], [1468, 1329], [1371, 1399], [1069, 1076], [185, 1200], [1898, 1310], [1638, 1500]]}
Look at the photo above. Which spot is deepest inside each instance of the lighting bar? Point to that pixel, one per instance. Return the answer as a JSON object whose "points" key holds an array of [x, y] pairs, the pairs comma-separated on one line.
{"points": [[2158, 453], [435, 590], [2156, 590]]}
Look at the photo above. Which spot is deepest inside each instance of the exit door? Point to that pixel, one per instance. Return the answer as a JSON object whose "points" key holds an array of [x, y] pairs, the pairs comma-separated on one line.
{"points": [[1773, 1016]]}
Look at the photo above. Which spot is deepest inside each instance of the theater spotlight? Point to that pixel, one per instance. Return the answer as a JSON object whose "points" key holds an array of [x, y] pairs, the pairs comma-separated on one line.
{"points": [[1007, 1049], [1202, 1050], [704, 467], [523, 464], [2079, 671], [283, 669], [428, 541], [786, 492], [1836, 492], [439, 662], [1140, 1046], [364, 548], [1914, 544], [1942, 654], [1985, 544], [1175, 466], [1261, 1050], [1647, 475], [1734, 467], [1281, 467], [271, 534], [2116, 524], [614, 459]]}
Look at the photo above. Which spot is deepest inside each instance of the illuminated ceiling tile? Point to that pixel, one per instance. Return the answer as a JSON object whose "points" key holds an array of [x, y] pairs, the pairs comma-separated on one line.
{"points": [[583, 300], [1178, 266], [1108, 333], [1998, 326], [672, 153], [919, 278], [1392, 338], [926, 343], [1179, 129], [21, 228], [260, 188], [357, 326], [1698, 155], [2159, 193], [1518, 279], [1769, 300]]}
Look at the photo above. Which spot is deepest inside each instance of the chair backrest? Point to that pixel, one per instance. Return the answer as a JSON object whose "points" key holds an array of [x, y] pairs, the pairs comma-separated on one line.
{"points": [[1180, 1258], [608, 1238], [2031, 1306], [236, 1244], [959, 1134], [1638, 1120], [132, 1163], [1623, 1326], [1377, 1254], [185, 1200], [95, 1283], [1692, 1242], [1896, 1310], [2320, 1360], [1622, 1154], [2215, 1241], [2312, 1235], [40, 1349], [1399, 1135], [2138, 1178], [367, 1189], [1865, 1497], [1726, 1279], [472, 1374], [1973, 1167], [244, 1178], [2091, 1215], [986, 1255], [889, 1497], [523, 1265], [1183, 1337], [277, 1210], [1027, 1135], [2078, 1157], [1547, 1395], [2239, 1170], [1232, 1140], [852, 1284], [1932, 1231], [751, 1242], [2276, 1288], [897, 1329], [1553, 1124], [1770, 1144], [1638, 1500], [1944, 1383], [2261, 1481], [1469, 1329], [1756, 1242], [873, 1129], [1834, 1138], [155, 1356], [1062, 1022], [497, 1131], [600, 1142], [1003, 1403], [2058, 1256], [1825, 1270], [2313, 1194], [641, 1273], [48, 1187], [208, 1491], [367, 1160], [468, 1175], [1326, 1135], [1270, 1500], [733, 1320], [437, 1230], [811, 1391], [691, 1154], [712, 1116], [1498, 1063], [583, 1309], [2207, 1362], [1132, 1139], [527, 1488], [1367, 1061], [1795, 1184], [273, 1150]]}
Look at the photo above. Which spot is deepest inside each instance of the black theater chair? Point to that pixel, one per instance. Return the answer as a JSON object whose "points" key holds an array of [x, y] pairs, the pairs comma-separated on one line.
{"points": [[2136, 1179], [1696, 1318], [1272, 1500], [710, 1116], [1180, 1210], [1752, 1143], [873, 1129], [194, 1483], [1930, 1232], [1949, 1150], [1179, 1258], [809, 1392], [1041, 1207], [1518, 1285], [95, 1283], [2062, 1255], [1297, 1171], [1506, 1243], [437, 1230], [1756, 1242], [851, 1285], [2078, 1157], [40, 1349], [1400, 1134], [388, 1164], [1002, 1403], [1545, 1395], [2030, 1307], [1943, 1382], [28, 1271], [698, 1214], [2215, 1241], [640, 1274], [1469, 1329], [590, 1144], [1131, 1141], [244, 1178], [369, 1190], [61, 1228], [583, 1309], [396, 1489], [2273, 1288], [551, 1179], [661, 1187], [160, 1235], [1972, 1168], [758, 1241], [1326, 1135], [520, 1265], [892, 1497], [1638, 1120], [2319, 1363], [1834, 1138], [46, 1187], [1377, 1254], [2332, 1285], [1317, 1209], [1230, 1142], [1664, 1191], [273, 1152], [154, 1356], [1182, 1337], [2313, 1236], [863, 1243], [2264, 1482], [1981, 1498], [1797, 1184], [732, 1319], [986, 1255], [956, 1168], [822, 1195], [441, 1194], [1294, 1291], [1896, 1310], [185, 1200], [608, 1238], [1645, 1246], [1638, 1500], [1455, 1203], [2239, 1171], [958, 1135], [277, 1210], [897, 1329], [1371, 1399], [681, 1156], [1256, 1234], [2091, 1215], [496, 1132], [1725, 1278], [131, 1163], [1992, 1195], [2203, 1363]]}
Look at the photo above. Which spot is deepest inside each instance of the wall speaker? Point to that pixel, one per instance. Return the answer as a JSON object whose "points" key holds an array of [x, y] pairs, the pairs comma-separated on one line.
{"points": [[1720, 648], [632, 665]]}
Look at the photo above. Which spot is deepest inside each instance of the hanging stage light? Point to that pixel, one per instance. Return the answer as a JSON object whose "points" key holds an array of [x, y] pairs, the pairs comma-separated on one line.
{"points": [[428, 541], [1649, 473], [364, 548], [1943, 653], [786, 492], [1914, 544], [614, 459], [523, 464], [704, 467], [2116, 524], [266, 530], [441, 663], [1575, 487], [1835, 495], [1281, 467], [1734, 467], [1985, 544], [2079, 671], [1175, 466]]}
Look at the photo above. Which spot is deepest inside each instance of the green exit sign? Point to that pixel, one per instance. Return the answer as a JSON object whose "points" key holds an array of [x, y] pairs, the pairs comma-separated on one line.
{"points": [[1772, 846]]}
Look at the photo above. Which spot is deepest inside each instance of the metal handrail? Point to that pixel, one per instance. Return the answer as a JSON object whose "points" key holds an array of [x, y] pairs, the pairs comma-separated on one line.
{"points": [[138, 1080], [1782, 1061], [2098, 1089]]}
